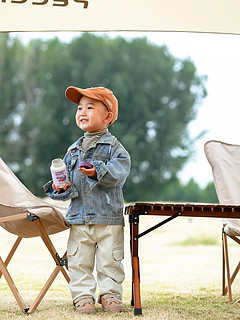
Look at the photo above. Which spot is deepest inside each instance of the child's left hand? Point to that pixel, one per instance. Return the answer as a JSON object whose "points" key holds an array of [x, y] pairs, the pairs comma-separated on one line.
{"points": [[89, 172]]}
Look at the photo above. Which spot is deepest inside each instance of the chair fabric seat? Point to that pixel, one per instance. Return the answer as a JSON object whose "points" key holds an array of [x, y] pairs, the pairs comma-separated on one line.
{"points": [[15, 198], [232, 230], [224, 159], [27, 216]]}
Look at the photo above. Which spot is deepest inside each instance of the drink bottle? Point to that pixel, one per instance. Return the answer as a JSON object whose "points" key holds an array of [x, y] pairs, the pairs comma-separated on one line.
{"points": [[59, 172]]}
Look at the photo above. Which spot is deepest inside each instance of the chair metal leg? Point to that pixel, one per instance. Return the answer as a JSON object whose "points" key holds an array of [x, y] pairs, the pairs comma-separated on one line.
{"points": [[232, 278], [8, 278], [224, 289], [46, 239], [59, 267], [44, 289], [11, 253], [229, 290], [12, 286]]}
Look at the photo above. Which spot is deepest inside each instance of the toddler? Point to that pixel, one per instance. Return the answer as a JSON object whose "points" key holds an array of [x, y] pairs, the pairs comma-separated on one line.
{"points": [[96, 209]]}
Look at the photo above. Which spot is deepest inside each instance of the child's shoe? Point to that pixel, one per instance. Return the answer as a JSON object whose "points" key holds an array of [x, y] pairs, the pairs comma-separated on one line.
{"points": [[85, 304], [111, 303]]}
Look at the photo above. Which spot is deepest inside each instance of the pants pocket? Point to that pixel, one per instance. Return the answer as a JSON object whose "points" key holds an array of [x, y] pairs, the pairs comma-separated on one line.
{"points": [[117, 267], [72, 249], [118, 255]]}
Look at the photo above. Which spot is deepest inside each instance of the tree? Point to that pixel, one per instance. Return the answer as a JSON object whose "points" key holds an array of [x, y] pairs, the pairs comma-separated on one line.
{"points": [[11, 97], [158, 97]]}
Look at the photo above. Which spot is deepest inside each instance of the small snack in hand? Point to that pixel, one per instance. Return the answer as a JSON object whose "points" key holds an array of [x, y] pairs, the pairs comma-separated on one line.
{"points": [[85, 164]]}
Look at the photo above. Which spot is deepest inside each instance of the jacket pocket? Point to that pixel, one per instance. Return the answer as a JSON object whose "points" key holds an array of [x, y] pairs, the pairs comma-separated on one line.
{"points": [[72, 163]]}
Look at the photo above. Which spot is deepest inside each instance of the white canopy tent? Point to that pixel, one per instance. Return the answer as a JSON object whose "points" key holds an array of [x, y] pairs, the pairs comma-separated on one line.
{"points": [[215, 16]]}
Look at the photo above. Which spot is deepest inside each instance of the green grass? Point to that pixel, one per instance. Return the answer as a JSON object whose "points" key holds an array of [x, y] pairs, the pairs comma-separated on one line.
{"points": [[202, 240], [157, 304], [191, 306], [180, 275]]}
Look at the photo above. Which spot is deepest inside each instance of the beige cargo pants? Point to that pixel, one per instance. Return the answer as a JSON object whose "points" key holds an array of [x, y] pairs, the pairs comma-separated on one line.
{"points": [[103, 244]]}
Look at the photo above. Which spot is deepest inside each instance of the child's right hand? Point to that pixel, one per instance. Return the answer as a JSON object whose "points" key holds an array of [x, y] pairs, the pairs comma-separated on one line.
{"points": [[55, 187]]}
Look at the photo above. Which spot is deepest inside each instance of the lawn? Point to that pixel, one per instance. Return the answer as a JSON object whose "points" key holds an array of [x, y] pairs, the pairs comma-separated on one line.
{"points": [[180, 266]]}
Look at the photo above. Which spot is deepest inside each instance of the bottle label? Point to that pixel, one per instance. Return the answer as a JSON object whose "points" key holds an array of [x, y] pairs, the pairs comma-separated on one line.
{"points": [[60, 178]]}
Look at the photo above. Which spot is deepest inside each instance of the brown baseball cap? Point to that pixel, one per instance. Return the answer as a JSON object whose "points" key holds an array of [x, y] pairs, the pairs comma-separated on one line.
{"points": [[102, 94]]}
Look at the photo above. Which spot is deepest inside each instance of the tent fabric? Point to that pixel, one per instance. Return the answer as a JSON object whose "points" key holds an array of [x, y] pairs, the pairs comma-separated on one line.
{"points": [[224, 159], [216, 16], [16, 199]]}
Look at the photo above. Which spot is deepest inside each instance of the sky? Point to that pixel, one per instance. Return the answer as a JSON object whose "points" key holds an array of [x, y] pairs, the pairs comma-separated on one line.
{"points": [[214, 55]]}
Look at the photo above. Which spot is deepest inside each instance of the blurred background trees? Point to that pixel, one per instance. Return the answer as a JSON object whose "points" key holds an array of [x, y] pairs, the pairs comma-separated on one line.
{"points": [[158, 95]]}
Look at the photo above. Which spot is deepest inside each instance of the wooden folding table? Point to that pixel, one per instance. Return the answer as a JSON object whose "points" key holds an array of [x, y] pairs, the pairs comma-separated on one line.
{"points": [[173, 211]]}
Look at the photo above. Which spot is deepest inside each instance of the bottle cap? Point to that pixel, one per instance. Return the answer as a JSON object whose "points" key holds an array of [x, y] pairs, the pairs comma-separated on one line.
{"points": [[57, 162]]}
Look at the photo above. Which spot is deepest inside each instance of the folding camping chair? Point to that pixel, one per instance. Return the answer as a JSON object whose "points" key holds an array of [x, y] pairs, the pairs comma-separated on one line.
{"points": [[224, 159], [26, 216]]}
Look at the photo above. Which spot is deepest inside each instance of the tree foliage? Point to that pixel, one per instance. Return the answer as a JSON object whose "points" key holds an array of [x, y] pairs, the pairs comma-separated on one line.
{"points": [[158, 95], [190, 192]]}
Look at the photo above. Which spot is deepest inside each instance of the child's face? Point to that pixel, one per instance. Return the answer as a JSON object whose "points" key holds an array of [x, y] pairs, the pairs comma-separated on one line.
{"points": [[92, 115]]}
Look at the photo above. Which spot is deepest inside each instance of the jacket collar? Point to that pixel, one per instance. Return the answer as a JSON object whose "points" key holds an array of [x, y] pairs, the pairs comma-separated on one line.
{"points": [[107, 138]]}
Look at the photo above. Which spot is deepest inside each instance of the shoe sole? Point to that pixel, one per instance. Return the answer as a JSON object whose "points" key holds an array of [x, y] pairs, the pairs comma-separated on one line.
{"points": [[86, 310]]}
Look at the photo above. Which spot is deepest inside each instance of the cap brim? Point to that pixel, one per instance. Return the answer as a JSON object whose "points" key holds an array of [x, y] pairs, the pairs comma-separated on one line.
{"points": [[74, 94]]}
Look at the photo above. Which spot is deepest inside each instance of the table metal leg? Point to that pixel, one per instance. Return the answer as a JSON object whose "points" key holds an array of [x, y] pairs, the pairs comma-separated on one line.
{"points": [[136, 296]]}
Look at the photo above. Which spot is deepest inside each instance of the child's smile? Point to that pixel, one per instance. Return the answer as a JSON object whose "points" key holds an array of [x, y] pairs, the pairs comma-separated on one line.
{"points": [[92, 115]]}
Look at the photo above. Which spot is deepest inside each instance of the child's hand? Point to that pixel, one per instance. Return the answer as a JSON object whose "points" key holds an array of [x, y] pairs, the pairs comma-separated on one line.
{"points": [[61, 189], [89, 172]]}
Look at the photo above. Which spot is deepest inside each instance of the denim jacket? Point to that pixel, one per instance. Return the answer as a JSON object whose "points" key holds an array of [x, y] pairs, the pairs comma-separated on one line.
{"points": [[95, 200]]}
